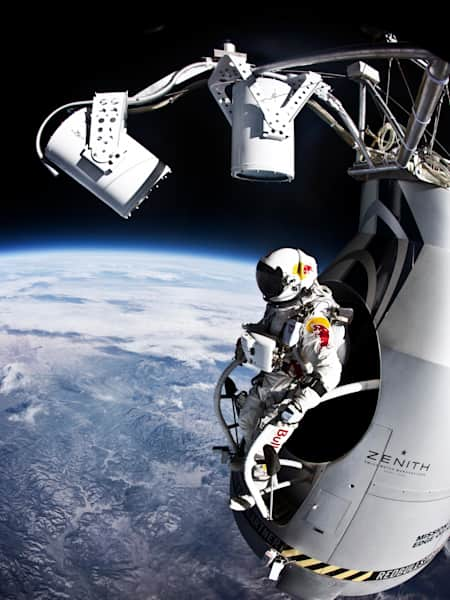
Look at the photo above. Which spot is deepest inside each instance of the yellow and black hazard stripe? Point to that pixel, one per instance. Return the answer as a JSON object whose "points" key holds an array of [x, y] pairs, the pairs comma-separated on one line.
{"points": [[321, 568], [317, 566]]}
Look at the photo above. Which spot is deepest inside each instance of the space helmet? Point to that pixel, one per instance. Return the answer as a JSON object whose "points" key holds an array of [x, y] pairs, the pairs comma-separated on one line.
{"points": [[284, 273]]}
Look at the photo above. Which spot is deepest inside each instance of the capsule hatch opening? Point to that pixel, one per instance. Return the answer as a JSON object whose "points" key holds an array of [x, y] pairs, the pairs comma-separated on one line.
{"points": [[333, 428]]}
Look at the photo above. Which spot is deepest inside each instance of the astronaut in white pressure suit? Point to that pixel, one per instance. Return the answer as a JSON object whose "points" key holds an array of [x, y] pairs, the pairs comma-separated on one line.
{"points": [[298, 327]]}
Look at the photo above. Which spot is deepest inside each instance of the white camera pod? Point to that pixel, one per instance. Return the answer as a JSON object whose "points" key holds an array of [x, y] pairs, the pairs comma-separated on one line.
{"points": [[95, 149], [259, 350]]}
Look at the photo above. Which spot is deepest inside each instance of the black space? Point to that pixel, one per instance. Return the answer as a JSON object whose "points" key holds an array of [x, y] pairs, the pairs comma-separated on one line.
{"points": [[65, 57]]}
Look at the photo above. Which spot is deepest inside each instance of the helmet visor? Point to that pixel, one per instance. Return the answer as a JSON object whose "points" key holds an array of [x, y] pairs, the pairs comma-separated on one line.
{"points": [[270, 281]]}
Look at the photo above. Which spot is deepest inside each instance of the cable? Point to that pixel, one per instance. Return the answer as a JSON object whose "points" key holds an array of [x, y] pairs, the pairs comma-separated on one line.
{"points": [[50, 116], [337, 105], [388, 88], [170, 99], [436, 122], [385, 111], [407, 112], [279, 76], [323, 114], [405, 81], [321, 73], [167, 87]]}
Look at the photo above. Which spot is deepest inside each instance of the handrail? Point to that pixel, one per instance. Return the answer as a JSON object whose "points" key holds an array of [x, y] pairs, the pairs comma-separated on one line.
{"points": [[217, 402], [361, 52]]}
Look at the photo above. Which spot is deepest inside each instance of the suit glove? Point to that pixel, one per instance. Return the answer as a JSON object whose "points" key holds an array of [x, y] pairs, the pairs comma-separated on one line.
{"points": [[293, 413]]}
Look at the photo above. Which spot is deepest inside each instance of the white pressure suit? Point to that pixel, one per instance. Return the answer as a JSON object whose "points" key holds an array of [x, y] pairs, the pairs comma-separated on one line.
{"points": [[314, 354]]}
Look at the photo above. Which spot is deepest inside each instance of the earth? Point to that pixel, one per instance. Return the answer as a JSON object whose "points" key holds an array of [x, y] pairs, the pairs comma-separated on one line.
{"points": [[108, 484]]}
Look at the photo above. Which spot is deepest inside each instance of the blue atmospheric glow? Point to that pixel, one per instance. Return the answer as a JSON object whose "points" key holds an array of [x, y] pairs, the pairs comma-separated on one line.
{"points": [[233, 248], [243, 255], [55, 247]]}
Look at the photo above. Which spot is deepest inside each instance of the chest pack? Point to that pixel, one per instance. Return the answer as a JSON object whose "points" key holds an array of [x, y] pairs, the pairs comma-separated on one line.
{"points": [[267, 351]]}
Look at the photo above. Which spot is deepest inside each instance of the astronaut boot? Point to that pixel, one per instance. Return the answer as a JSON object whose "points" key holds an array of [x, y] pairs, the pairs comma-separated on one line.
{"points": [[259, 472], [240, 503]]}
